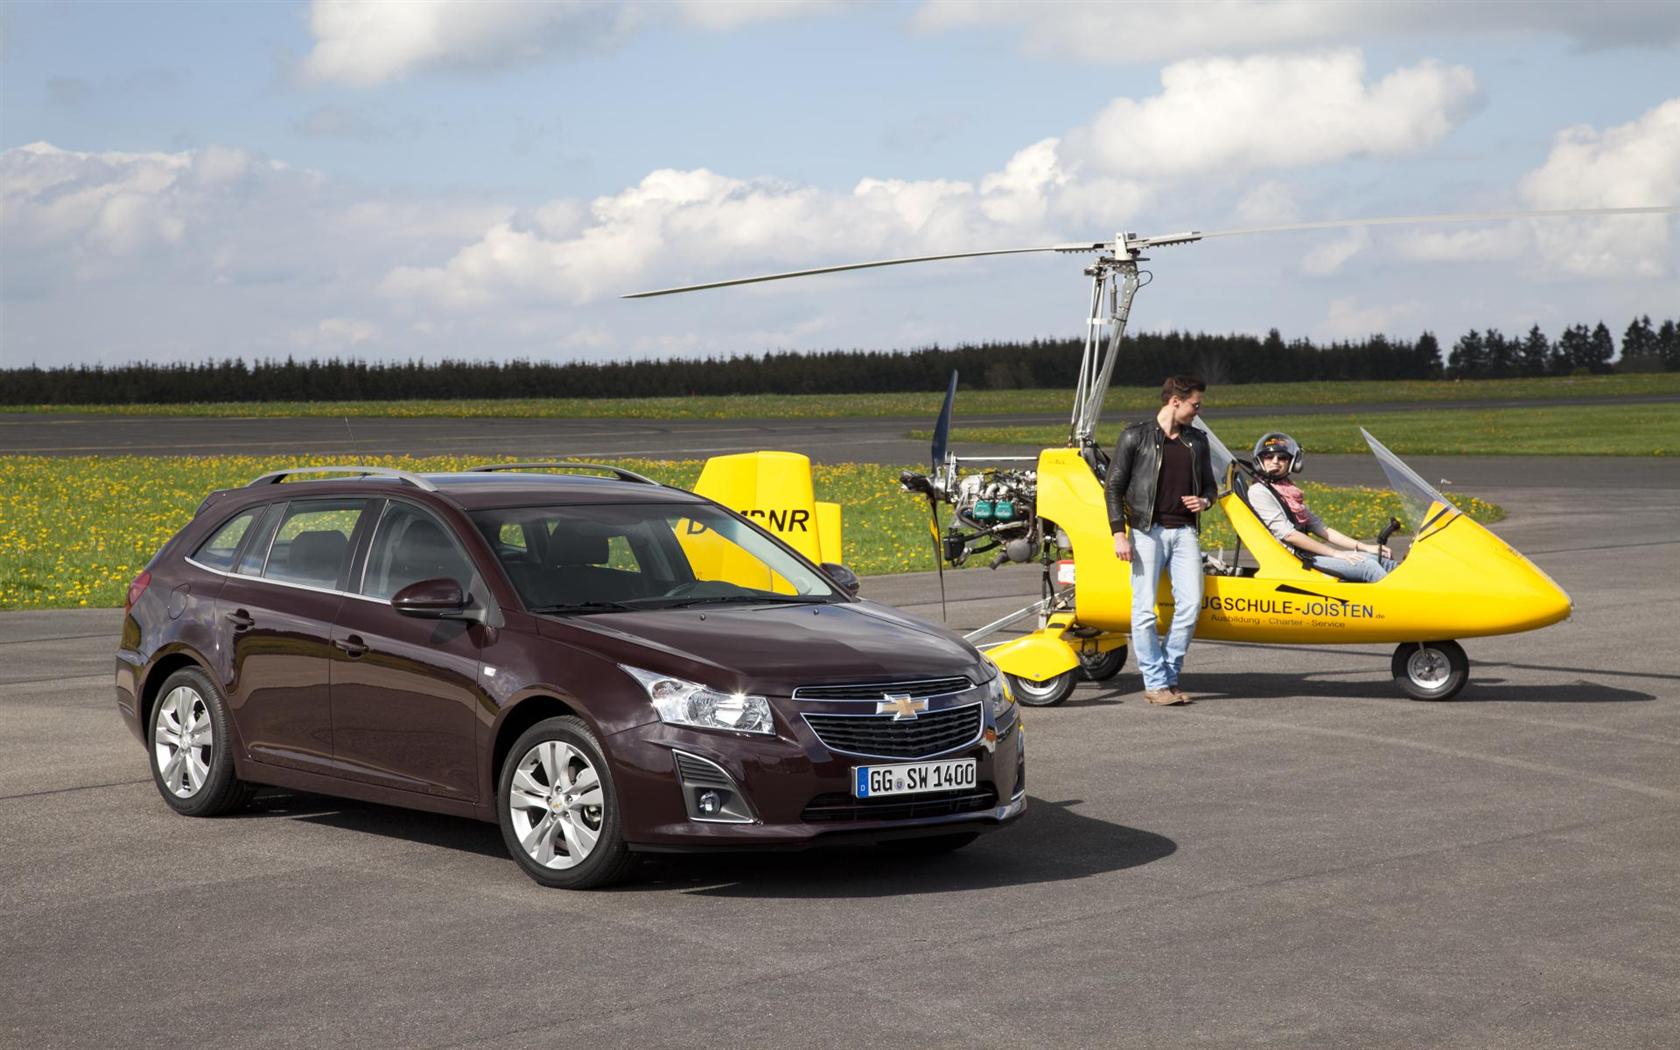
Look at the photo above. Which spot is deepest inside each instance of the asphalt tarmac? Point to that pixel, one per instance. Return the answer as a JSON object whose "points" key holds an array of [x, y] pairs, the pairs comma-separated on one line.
{"points": [[1302, 858]]}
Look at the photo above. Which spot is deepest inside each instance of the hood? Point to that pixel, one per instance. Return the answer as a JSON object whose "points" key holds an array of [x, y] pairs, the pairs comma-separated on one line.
{"points": [[771, 648]]}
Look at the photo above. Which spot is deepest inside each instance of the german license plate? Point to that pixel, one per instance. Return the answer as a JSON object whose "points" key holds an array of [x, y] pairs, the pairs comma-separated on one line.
{"points": [[913, 778]]}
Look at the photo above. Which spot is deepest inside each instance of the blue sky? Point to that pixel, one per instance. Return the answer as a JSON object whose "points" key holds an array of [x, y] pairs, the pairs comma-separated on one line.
{"points": [[182, 181]]}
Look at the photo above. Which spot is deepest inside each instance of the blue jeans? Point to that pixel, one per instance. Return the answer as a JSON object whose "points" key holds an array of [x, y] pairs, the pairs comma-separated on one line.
{"points": [[1179, 551], [1364, 570]]}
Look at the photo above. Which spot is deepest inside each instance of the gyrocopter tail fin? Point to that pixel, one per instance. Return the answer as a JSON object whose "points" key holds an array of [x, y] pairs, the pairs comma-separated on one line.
{"points": [[773, 489]]}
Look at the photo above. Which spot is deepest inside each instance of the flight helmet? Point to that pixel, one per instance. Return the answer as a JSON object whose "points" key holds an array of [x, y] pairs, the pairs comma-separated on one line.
{"points": [[1275, 442]]}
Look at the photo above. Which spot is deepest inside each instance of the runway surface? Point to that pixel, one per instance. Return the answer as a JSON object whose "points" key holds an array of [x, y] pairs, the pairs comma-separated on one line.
{"points": [[824, 440], [1301, 858]]}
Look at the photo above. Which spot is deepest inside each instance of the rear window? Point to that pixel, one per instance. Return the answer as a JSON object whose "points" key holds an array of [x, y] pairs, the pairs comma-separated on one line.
{"points": [[217, 552]]}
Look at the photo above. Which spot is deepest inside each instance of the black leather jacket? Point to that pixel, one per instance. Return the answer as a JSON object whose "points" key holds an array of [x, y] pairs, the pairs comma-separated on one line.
{"points": [[1136, 470]]}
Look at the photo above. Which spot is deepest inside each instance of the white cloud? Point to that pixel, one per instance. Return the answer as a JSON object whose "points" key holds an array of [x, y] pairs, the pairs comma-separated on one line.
{"points": [[1268, 203], [1629, 165], [209, 251], [1508, 240], [1346, 319], [672, 221], [1273, 111], [1327, 257], [110, 204], [1162, 30], [335, 334], [369, 42]]}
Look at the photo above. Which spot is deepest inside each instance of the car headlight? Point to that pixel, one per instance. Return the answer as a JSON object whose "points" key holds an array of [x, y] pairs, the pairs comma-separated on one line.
{"points": [[684, 703], [1000, 697]]}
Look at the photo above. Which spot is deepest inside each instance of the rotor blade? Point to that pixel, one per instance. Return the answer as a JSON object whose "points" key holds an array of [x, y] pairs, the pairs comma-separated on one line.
{"points": [[942, 426], [1402, 220], [1083, 247], [938, 555]]}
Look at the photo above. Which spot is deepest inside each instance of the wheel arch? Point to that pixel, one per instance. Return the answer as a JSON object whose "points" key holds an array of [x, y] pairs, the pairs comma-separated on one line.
{"points": [[159, 673], [522, 715]]}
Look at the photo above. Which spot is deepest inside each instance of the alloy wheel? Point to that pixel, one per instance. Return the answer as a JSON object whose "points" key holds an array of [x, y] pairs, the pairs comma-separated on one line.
{"points": [[182, 740], [556, 804]]}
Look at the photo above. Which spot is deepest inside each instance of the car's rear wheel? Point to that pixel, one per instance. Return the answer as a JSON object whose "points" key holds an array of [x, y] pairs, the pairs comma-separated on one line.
{"points": [[1048, 693], [1100, 667], [1431, 670], [191, 747], [559, 810]]}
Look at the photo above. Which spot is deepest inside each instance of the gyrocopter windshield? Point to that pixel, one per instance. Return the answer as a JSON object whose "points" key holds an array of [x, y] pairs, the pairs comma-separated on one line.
{"points": [[1221, 455], [1421, 500]]}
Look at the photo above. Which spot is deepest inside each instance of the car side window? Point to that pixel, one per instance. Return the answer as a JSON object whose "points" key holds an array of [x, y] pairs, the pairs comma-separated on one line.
{"points": [[257, 541], [312, 546], [217, 552], [411, 545]]}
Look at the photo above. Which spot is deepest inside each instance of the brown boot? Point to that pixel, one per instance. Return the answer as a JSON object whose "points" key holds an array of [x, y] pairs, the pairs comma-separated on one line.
{"points": [[1164, 697], [1183, 697]]}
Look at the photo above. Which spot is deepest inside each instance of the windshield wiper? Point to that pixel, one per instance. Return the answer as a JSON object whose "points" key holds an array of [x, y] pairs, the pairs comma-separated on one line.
{"points": [[745, 599], [582, 608]]}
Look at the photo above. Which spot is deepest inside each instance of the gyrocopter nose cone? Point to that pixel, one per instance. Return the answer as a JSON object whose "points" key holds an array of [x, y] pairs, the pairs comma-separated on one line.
{"points": [[1543, 601]]}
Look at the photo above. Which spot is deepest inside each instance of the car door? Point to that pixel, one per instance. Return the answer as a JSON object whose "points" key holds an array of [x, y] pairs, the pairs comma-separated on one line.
{"points": [[275, 615], [405, 695]]}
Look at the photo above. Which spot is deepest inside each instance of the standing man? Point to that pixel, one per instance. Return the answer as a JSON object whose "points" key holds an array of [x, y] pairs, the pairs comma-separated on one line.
{"points": [[1160, 481]]}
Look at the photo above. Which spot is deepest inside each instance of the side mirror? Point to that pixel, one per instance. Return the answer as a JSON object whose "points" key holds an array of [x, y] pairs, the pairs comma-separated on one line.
{"points": [[437, 599], [843, 577]]}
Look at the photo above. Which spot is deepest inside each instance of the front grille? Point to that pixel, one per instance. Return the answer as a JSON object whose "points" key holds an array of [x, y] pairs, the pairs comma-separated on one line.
{"points": [[883, 736], [916, 689], [837, 808]]}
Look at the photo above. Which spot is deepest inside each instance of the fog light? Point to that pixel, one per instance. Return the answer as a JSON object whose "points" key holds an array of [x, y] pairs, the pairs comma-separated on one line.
{"points": [[710, 802]]}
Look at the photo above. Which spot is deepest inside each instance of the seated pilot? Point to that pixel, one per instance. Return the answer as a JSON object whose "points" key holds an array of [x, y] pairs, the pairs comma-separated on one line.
{"points": [[1282, 508]]}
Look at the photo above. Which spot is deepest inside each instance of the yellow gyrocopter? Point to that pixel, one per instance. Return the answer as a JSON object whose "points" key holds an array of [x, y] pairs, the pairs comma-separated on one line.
{"points": [[1456, 580]]}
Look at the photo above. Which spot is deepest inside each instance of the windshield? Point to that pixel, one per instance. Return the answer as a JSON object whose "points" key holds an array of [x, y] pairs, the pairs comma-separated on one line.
{"points": [[1216, 448], [1423, 503], [606, 558]]}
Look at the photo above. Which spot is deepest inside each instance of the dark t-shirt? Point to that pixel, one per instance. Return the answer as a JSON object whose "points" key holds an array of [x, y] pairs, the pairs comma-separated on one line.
{"points": [[1178, 479]]}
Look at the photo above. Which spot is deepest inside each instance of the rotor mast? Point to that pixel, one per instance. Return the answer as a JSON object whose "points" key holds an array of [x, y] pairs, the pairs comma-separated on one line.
{"points": [[1114, 283]]}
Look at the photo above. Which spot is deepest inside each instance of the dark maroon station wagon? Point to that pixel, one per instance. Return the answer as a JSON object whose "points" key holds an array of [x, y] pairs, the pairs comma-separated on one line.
{"points": [[601, 665]]}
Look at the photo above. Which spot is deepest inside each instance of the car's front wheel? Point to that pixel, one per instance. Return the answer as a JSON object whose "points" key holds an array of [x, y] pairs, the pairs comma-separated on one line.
{"points": [[192, 747], [559, 810]]}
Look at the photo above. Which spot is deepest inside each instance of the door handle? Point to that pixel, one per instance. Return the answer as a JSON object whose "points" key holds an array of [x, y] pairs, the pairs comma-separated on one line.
{"points": [[353, 646], [241, 621]]}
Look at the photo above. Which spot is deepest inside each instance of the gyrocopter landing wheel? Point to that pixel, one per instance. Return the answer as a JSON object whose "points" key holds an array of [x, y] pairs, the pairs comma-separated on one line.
{"points": [[1048, 693], [1431, 670], [1100, 667]]}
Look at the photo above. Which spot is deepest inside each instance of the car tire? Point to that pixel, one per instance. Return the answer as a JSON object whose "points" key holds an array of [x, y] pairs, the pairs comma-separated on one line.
{"points": [[190, 740], [559, 810], [1048, 693], [931, 845], [1100, 667], [1430, 670]]}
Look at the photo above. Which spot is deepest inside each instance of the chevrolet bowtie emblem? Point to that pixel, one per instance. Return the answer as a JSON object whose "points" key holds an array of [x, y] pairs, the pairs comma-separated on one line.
{"points": [[901, 706]]}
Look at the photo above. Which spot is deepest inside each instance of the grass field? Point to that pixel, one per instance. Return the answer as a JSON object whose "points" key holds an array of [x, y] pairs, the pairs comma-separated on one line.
{"points": [[926, 405], [1558, 430], [75, 531]]}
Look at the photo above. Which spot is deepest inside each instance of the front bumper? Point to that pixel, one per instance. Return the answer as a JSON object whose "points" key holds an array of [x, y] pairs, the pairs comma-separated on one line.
{"points": [[799, 792]]}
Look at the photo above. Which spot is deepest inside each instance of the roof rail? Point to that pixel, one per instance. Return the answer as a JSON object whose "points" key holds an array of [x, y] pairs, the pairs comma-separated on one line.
{"points": [[623, 475], [275, 477]]}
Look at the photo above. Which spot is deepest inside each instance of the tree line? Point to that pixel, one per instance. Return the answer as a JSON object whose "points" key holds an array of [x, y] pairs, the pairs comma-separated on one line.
{"points": [[1039, 363]]}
